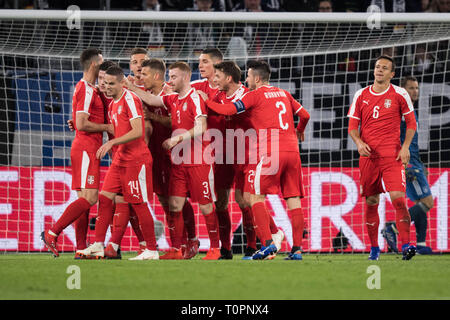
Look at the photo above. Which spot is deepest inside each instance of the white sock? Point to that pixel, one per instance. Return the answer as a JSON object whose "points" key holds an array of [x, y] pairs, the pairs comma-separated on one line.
{"points": [[115, 246]]}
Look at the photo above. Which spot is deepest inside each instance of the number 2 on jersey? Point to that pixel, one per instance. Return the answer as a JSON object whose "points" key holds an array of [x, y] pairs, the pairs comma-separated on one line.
{"points": [[281, 105]]}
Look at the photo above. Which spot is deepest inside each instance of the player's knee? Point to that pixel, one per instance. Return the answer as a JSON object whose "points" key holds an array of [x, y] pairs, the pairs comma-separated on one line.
{"points": [[206, 208], [91, 195], [372, 200], [175, 205], [428, 201]]}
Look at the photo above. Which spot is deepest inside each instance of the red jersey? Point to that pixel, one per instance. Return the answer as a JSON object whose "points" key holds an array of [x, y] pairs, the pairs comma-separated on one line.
{"points": [[272, 109], [127, 108], [380, 115], [184, 111], [160, 132], [215, 120], [86, 99]]}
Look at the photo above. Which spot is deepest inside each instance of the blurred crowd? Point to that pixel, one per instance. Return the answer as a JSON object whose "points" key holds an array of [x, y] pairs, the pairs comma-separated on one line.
{"points": [[237, 5]]}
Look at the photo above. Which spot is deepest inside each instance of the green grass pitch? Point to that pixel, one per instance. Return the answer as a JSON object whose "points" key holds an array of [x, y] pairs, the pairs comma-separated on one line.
{"points": [[317, 276]]}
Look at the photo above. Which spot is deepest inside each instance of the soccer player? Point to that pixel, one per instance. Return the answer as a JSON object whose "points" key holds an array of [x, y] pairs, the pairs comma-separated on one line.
{"points": [[88, 113], [129, 174], [190, 174], [227, 79], [417, 187], [153, 77], [271, 112], [378, 108]]}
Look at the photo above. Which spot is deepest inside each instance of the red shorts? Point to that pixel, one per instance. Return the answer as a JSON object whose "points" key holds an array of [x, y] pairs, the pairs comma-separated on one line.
{"points": [[379, 175], [85, 169], [243, 176], [284, 173], [223, 176], [197, 182], [161, 175], [134, 183]]}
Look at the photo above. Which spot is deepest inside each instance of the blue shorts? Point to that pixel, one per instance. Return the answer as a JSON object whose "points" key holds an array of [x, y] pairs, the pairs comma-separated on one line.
{"points": [[417, 186]]}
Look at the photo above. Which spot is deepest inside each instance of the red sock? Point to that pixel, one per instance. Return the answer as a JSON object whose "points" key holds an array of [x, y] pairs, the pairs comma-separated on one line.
{"points": [[297, 221], [402, 219], [272, 225], [72, 213], [212, 225], [81, 230], [147, 224], [372, 223], [189, 220], [134, 221], [120, 222], [262, 221], [224, 220], [176, 227], [104, 217], [249, 227]]}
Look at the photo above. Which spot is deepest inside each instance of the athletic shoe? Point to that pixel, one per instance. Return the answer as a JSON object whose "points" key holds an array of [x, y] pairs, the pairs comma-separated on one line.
{"points": [[94, 251], [50, 243], [374, 253], [191, 249], [249, 252], [147, 255], [278, 239], [225, 254], [390, 234], [183, 248], [79, 256], [424, 250], [408, 251], [265, 253], [172, 254], [141, 249], [110, 253], [212, 254], [296, 255]]}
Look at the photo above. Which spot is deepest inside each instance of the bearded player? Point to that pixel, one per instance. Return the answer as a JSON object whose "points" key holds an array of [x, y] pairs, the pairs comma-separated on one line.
{"points": [[378, 109]]}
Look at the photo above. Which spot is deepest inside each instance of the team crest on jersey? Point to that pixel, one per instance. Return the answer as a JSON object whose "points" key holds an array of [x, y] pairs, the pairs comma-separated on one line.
{"points": [[119, 110], [185, 106], [90, 179], [387, 103]]}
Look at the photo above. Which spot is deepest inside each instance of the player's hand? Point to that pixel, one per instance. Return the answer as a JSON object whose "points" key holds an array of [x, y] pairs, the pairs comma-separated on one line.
{"points": [[70, 124], [126, 82], [103, 150], [167, 89], [203, 95], [171, 142], [301, 136], [404, 156], [110, 129], [146, 113], [363, 149], [130, 78]]}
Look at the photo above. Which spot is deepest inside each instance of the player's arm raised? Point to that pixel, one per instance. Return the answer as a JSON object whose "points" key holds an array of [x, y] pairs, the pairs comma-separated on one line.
{"points": [[247, 101], [147, 97], [133, 134], [198, 129]]}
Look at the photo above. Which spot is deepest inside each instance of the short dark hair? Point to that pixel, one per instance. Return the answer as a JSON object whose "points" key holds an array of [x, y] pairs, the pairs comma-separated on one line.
{"points": [[183, 66], [87, 56], [261, 67], [106, 64], [387, 58], [405, 80], [115, 71], [155, 64], [230, 68], [138, 51], [213, 53]]}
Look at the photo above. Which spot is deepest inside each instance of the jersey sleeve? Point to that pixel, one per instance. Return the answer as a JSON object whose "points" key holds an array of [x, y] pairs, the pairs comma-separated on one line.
{"points": [[134, 107], [355, 107], [198, 106], [83, 98], [406, 105]]}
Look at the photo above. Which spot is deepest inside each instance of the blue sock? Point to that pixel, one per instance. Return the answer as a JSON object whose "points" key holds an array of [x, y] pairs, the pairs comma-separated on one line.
{"points": [[418, 214]]}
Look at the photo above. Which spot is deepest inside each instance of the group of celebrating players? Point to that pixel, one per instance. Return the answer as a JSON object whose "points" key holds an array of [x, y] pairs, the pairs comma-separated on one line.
{"points": [[160, 134]]}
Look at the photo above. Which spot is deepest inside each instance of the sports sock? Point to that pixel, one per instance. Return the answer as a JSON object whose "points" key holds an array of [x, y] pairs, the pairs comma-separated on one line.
{"points": [[273, 227], [147, 224], [120, 222], [189, 220], [262, 221], [72, 213], [224, 220], [372, 223], [81, 230], [212, 225], [297, 220], [134, 221], [176, 226], [104, 217], [249, 227], [402, 220], [418, 214]]}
